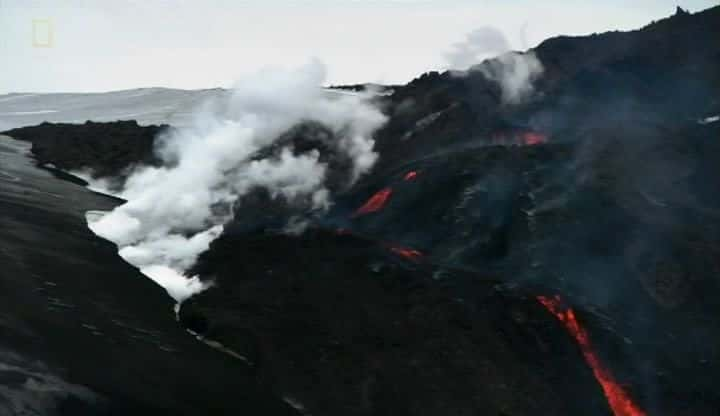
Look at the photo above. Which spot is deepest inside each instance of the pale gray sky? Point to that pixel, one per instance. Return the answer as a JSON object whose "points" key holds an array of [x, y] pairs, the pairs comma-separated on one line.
{"points": [[101, 45]]}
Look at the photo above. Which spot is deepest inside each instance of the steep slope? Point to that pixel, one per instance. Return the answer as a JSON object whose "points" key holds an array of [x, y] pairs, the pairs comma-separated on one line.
{"points": [[84, 333], [592, 190], [552, 256]]}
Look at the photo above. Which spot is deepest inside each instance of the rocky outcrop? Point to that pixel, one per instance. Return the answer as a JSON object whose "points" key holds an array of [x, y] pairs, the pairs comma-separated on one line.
{"points": [[108, 150], [590, 189], [596, 189], [84, 333]]}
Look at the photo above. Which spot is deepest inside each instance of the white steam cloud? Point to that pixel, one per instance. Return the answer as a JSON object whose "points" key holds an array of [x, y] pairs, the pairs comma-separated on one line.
{"points": [[487, 50], [515, 73], [100, 185], [478, 45], [173, 212]]}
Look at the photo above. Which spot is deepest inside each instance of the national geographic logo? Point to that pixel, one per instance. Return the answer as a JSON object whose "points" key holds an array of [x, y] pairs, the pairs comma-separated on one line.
{"points": [[42, 33]]}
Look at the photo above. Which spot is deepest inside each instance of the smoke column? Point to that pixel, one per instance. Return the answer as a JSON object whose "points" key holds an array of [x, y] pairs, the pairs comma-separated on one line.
{"points": [[478, 45], [173, 212], [487, 50]]}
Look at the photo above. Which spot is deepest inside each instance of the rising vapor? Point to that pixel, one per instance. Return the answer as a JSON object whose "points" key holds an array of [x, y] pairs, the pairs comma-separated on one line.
{"points": [[478, 45], [515, 73], [487, 50], [174, 211]]}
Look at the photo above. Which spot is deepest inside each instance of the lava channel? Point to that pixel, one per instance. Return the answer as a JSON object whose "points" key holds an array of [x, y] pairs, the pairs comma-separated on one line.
{"points": [[620, 402], [375, 203], [531, 138], [519, 138], [408, 253]]}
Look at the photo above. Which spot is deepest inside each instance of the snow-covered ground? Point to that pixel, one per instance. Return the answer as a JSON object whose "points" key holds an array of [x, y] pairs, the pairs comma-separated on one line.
{"points": [[146, 105]]}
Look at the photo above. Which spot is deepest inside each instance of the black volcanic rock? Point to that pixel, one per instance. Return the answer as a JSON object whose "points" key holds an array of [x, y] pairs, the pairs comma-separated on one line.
{"points": [[84, 333], [364, 87], [667, 69], [341, 325], [612, 213], [107, 149], [611, 203]]}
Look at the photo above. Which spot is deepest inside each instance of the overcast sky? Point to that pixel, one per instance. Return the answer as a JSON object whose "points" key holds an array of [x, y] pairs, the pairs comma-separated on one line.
{"points": [[101, 45]]}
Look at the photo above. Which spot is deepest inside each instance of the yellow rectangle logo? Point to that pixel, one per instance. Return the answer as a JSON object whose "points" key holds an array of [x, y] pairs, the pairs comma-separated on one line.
{"points": [[42, 33]]}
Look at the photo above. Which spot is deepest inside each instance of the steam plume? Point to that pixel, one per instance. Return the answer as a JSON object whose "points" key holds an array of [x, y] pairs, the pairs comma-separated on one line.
{"points": [[478, 45], [515, 73], [175, 211], [487, 50]]}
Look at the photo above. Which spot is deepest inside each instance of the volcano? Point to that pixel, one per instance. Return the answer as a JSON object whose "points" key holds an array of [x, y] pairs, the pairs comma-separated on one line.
{"points": [[551, 256]]}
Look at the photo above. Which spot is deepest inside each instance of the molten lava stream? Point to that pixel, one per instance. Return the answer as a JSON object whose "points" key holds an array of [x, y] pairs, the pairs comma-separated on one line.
{"points": [[408, 253], [531, 138], [618, 399], [410, 175], [380, 198], [375, 203]]}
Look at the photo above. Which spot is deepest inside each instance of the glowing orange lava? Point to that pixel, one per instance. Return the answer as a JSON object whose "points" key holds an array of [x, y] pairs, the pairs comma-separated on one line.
{"points": [[531, 138], [376, 202], [618, 399], [518, 138], [410, 175], [408, 253]]}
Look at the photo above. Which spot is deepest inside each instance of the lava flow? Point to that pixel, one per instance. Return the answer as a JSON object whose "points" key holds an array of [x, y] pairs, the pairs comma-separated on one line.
{"points": [[376, 202], [519, 138], [410, 175], [408, 253], [531, 138], [620, 402], [380, 198]]}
